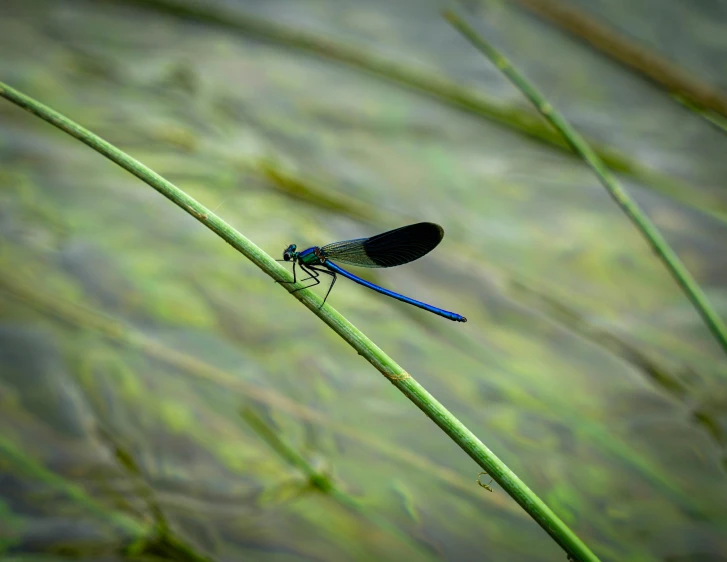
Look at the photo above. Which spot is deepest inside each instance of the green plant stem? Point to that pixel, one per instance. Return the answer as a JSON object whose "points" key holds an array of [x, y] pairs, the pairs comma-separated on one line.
{"points": [[446, 91], [118, 332], [89, 319], [455, 429], [714, 119], [642, 222], [618, 47], [289, 454]]}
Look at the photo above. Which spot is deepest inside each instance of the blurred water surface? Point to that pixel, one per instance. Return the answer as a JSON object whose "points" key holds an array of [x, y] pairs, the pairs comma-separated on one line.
{"points": [[131, 336]]}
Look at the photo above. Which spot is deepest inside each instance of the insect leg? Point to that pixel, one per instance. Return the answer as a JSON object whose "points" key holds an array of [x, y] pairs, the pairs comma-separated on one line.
{"points": [[288, 282], [313, 275], [309, 277], [333, 282]]}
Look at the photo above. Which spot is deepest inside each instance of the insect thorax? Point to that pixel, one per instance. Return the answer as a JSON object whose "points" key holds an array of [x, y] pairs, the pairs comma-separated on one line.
{"points": [[311, 256]]}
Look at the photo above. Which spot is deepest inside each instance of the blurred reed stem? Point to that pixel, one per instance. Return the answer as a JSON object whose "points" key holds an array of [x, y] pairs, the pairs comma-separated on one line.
{"points": [[640, 220], [144, 537], [118, 332], [323, 482], [656, 68], [402, 380], [446, 91], [316, 478], [714, 119]]}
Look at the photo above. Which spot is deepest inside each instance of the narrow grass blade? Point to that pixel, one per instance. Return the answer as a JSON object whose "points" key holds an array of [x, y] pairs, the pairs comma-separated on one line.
{"points": [[642, 222], [403, 381]]}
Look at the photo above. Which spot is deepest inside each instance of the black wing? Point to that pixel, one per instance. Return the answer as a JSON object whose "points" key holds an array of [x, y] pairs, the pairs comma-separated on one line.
{"points": [[388, 249]]}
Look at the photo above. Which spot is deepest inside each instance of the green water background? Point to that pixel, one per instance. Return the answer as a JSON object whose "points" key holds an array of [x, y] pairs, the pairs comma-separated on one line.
{"points": [[130, 335]]}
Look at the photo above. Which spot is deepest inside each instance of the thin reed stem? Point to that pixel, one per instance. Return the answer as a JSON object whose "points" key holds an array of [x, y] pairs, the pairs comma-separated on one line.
{"points": [[640, 220], [649, 64], [455, 429]]}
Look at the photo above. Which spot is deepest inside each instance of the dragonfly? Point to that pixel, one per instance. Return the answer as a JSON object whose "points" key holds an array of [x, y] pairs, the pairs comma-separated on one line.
{"points": [[389, 249]]}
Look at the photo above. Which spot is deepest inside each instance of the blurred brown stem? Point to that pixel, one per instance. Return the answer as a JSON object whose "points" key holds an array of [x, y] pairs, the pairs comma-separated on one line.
{"points": [[627, 52]]}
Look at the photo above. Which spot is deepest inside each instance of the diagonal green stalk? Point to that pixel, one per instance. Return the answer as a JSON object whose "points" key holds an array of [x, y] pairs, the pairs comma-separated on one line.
{"points": [[316, 478], [118, 332], [713, 118], [455, 429], [631, 54], [642, 222]]}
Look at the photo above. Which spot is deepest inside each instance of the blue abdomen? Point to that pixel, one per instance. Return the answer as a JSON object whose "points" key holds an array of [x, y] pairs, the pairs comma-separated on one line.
{"points": [[438, 311]]}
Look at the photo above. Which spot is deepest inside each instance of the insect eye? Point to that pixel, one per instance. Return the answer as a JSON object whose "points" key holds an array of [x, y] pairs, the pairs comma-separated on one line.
{"points": [[286, 256]]}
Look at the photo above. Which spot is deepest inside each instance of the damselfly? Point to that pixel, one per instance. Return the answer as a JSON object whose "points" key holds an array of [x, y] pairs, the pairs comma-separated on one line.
{"points": [[388, 249]]}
